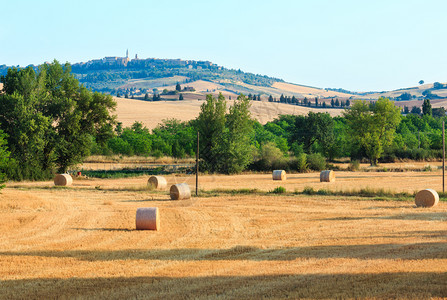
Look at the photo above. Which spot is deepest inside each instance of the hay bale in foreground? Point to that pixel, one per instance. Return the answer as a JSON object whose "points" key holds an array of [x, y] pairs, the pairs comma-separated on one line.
{"points": [[147, 218], [279, 175], [327, 176], [63, 180], [180, 191], [427, 198], [157, 182]]}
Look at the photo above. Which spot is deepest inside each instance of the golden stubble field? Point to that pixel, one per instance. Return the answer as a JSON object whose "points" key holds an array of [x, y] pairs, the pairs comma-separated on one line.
{"points": [[153, 113], [80, 241]]}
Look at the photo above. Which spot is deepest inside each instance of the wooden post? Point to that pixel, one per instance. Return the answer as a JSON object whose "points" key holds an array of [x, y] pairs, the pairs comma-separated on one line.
{"points": [[443, 156], [197, 164]]}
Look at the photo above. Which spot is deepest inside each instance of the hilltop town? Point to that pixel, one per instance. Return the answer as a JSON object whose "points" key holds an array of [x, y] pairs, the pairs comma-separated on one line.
{"points": [[123, 62]]}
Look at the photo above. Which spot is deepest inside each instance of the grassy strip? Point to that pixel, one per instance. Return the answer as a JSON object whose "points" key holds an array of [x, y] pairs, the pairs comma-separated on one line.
{"points": [[376, 194], [217, 192], [363, 192], [133, 172], [100, 159], [124, 173]]}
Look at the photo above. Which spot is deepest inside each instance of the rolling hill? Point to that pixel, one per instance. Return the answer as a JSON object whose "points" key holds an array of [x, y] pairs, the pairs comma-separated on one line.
{"points": [[140, 79]]}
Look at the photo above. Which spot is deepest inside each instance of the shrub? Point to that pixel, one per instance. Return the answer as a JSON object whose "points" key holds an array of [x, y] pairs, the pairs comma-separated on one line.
{"points": [[18, 171], [279, 190], [4, 158], [354, 165], [419, 154], [427, 168], [323, 192], [308, 190], [270, 158], [316, 161], [299, 163]]}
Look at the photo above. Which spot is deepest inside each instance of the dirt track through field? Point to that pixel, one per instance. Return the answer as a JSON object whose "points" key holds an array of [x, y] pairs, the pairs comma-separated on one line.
{"points": [[81, 241]]}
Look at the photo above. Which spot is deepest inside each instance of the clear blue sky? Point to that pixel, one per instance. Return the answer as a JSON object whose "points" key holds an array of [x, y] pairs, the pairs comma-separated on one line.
{"points": [[357, 45]]}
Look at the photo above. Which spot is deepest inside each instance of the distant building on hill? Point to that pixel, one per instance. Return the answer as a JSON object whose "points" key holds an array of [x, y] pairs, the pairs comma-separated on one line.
{"points": [[116, 60]]}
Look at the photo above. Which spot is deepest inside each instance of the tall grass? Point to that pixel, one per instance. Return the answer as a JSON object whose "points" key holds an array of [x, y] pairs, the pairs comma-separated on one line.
{"points": [[278, 190], [124, 173], [378, 194], [363, 192], [137, 159], [231, 191]]}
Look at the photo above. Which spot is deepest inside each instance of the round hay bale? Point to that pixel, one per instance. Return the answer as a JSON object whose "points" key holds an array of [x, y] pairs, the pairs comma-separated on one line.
{"points": [[63, 180], [147, 218], [427, 198], [180, 191], [279, 175], [327, 176], [157, 182]]}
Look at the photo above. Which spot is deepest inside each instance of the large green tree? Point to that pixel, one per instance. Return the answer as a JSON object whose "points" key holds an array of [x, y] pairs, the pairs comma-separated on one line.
{"points": [[237, 150], [315, 127], [211, 125], [372, 127], [225, 139], [50, 118]]}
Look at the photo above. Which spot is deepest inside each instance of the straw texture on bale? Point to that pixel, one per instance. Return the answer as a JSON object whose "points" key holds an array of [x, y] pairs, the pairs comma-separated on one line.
{"points": [[427, 198], [63, 180], [327, 176], [147, 218], [279, 175], [157, 182], [180, 191]]}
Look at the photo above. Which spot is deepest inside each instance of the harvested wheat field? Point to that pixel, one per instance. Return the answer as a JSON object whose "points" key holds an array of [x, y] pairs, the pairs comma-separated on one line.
{"points": [[81, 242], [153, 113], [307, 91]]}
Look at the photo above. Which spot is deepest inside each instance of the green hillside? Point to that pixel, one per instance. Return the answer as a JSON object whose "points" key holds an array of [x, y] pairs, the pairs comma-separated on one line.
{"points": [[142, 78], [111, 75]]}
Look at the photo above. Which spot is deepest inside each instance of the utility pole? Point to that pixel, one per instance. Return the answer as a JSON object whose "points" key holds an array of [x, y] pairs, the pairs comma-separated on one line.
{"points": [[197, 164]]}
